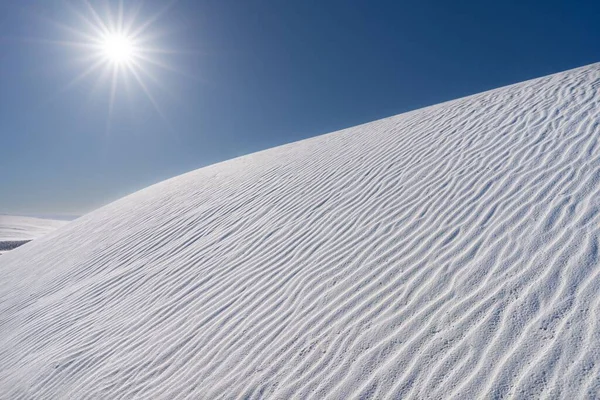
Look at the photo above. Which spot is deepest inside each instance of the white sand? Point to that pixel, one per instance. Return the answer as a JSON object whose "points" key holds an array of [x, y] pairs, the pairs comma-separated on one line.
{"points": [[446, 253], [15, 230]]}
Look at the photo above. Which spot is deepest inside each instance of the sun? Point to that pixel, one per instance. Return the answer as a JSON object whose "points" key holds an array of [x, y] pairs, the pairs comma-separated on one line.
{"points": [[122, 47], [118, 48]]}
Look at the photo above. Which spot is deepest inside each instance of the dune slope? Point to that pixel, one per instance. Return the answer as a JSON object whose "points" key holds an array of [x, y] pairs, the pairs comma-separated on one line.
{"points": [[448, 252]]}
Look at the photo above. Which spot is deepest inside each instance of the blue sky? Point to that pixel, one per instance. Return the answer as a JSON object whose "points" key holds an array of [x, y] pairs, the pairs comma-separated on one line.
{"points": [[248, 75]]}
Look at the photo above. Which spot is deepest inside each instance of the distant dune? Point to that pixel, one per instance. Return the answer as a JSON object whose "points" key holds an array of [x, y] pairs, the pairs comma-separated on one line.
{"points": [[16, 231], [445, 253]]}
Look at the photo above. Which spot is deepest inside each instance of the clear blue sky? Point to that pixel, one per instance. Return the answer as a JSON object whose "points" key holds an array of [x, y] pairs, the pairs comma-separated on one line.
{"points": [[248, 75]]}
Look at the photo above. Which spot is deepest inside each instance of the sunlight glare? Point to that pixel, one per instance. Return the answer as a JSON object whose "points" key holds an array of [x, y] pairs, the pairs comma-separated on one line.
{"points": [[121, 46], [118, 48]]}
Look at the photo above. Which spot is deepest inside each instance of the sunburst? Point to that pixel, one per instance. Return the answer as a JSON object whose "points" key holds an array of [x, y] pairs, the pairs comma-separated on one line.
{"points": [[118, 43]]}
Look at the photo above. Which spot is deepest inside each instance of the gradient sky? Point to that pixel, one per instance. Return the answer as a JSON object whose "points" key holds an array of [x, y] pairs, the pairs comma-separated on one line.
{"points": [[248, 75]]}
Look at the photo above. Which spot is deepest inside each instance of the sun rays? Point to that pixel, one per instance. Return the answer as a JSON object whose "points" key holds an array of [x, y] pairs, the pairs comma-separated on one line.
{"points": [[119, 44]]}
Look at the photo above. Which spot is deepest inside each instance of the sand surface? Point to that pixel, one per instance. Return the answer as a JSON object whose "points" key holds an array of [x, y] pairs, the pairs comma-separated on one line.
{"points": [[16, 230]]}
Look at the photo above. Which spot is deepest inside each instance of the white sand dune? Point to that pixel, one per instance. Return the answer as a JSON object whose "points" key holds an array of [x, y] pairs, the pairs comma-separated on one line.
{"points": [[17, 230], [446, 253]]}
